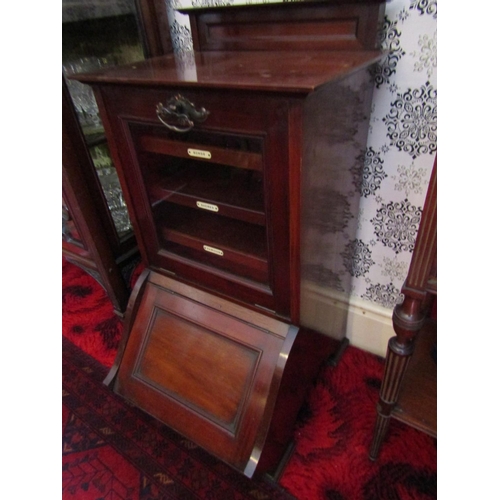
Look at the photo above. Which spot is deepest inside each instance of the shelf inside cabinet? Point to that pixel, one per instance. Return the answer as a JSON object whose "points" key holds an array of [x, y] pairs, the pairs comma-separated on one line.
{"points": [[227, 191], [229, 244], [417, 403], [215, 154]]}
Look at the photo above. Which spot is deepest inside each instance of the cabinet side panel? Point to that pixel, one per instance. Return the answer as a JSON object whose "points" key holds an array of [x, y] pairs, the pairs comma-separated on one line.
{"points": [[336, 121]]}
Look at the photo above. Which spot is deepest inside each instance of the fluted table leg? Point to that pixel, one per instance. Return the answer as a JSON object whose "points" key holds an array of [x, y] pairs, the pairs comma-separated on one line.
{"points": [[407, 320]]}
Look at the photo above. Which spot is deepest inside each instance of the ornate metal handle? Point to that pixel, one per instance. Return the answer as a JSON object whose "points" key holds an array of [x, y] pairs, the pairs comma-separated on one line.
{"points": [[182, 112]]}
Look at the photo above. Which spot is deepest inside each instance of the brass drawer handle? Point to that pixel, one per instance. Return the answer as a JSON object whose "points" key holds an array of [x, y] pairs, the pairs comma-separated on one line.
{"points": [[180, 114]]}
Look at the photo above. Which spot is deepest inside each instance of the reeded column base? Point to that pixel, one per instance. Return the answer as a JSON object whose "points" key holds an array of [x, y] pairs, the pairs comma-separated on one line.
{"points": [[381, 426], [407, 321]]}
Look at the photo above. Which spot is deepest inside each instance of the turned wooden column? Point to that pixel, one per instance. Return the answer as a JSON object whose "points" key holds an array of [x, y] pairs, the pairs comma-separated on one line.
{"points": [[407, 320], [409, 317]]}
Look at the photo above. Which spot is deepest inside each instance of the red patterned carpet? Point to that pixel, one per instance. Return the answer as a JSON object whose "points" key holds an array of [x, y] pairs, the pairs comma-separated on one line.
{"points": [[113, 451]]}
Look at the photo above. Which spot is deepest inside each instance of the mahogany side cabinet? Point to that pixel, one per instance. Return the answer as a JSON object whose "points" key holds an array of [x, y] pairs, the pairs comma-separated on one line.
{"points": [[409, 385], [216, 151]]}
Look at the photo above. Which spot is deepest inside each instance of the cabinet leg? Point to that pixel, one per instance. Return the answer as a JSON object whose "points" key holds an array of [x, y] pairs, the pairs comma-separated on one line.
{"points": [[334, 359], [395, 367], [407, 321], [379, 433]]}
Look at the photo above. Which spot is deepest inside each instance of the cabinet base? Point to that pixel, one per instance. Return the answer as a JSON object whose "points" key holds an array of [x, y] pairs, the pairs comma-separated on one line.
{"points": [[228, 378]]}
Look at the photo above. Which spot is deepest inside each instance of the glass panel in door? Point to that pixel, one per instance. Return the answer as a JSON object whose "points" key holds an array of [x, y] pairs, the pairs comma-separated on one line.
{"points": [[96, 35], [206, 195]]}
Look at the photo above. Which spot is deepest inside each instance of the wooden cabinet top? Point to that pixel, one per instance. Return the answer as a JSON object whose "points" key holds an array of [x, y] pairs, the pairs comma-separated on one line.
{"points": [[274, 71]]}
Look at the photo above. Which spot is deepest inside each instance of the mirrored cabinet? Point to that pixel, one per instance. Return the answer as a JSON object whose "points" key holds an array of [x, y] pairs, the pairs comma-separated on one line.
{"points": [[97, 233]]}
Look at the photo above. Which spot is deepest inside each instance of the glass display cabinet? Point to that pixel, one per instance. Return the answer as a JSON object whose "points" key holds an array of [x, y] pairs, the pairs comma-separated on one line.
{"points": [[220, 154], [97, 233]]}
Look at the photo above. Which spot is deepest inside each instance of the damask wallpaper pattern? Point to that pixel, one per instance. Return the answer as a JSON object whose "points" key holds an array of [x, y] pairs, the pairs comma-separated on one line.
{"points": [[393, 169]]}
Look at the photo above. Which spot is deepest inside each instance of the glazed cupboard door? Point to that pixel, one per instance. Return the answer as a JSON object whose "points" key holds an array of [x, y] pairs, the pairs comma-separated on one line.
{"points": [[98, 35], [206, 197], [97, 232], [210, 198]]}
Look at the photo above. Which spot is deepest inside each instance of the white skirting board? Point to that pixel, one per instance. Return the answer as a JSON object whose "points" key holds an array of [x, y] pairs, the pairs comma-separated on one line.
{"points": [[366, 325]]}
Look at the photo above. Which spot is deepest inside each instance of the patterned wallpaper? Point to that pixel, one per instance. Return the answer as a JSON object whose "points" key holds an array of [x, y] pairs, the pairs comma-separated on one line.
{"points": [[397, 161]]}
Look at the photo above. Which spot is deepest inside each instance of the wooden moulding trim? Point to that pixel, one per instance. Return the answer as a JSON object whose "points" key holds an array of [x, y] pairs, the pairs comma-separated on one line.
{"points": [[295, 153], [261, 321], [271, 402], [217, 273], [193, 8], [130, 314], [251, 262], [324, 26], [408, 316], [117, 160]]}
